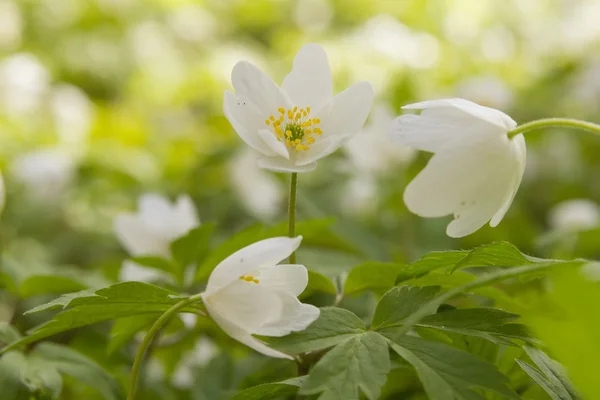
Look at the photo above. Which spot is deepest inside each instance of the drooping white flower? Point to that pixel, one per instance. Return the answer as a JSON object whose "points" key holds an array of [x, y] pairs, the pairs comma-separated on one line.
{"points": [[46, 174], [248, 293], [150, 231], [299, 123], [573, 215], [476, 169], [258, 190]]}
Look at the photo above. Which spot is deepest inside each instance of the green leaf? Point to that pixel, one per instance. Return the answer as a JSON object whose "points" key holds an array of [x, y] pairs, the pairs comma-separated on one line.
{"points": [[448, 373], [8, 333], [124, 329], [333, 326], [400, 302], [431, 262], [43, 379], [155, 262], [12, 368], [497, 254], [371, 275], [360, 364], [50, 284], [487, 323], [278, 390], [193, 247], [89, 307], [75, 364], [570, 328], [318, 283]]}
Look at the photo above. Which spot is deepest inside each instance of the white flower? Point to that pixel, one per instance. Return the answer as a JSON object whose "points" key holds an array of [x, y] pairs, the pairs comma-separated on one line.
{"points": [[150, 231], [476, 169], [371, 150], [258, 190], [46, 173], [248, 293], [578, 214], [299, 123]]}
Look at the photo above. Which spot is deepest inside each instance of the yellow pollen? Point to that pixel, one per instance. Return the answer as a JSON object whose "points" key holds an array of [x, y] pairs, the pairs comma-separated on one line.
{"points": [[249, 278], [295, 127]]}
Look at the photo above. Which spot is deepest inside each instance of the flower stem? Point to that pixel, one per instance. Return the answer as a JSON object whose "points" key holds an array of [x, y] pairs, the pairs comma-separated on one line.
{"points": [[292, 212], [160, 322], [555, 122]]}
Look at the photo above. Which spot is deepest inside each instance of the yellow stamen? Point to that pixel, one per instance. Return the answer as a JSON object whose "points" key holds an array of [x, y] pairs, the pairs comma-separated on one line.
{"points": [[249, 278]]}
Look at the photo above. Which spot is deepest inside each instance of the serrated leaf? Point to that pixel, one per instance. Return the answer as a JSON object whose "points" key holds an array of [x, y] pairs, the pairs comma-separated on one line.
{"points": [[360, 364], [75, 364], [89, 307], [551, 376], [333, 326], [498, 254], [8, 333], [448, 373], [491, 324], [193, 247], [318, 283], [274, 391], [371, 275], [400, 302], [431, 262]]}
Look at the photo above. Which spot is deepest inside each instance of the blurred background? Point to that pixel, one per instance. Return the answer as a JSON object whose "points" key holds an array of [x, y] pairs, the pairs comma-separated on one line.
{"points": [[102, 101]]}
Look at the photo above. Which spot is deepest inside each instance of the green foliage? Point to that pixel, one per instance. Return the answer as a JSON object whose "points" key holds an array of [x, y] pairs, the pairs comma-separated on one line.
{"points": [[399, 303], [193, 247], [371, 275], [318, 283], [279, 390]]}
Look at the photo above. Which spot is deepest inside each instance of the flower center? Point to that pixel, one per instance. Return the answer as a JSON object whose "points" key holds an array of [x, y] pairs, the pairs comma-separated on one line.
{"points": [[295, 127], [249, 278]]}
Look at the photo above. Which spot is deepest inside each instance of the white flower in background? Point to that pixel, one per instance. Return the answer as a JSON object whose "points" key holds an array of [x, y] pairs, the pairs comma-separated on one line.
{"points": [[11, 25], [573, 215], [46, 174], [476, 169], [72, 112], [312, 15], [248, 293], [23, 83], [372, 151], [259, 191], [299, 123], [150, 231], [204, 351], [360, 195], [488, 91]]}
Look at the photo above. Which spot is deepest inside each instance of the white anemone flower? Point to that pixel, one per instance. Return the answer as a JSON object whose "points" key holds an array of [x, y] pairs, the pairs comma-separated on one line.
{"points": [[476, 168], [249, 294], [575, 215], [150, 231], [301, 122]]}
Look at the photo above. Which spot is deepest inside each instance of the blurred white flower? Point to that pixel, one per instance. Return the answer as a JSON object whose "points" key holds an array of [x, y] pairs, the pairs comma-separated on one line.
{"points": [[360, 195], [73, 113], [23, 83], [476, 169], [573, 215], [312, 15], [294, 126], [248, 294], [191, 22], [204, 351], [11, 25], [150, 231], [260, 193], [488, 91], [372, 150], [46, 174]]}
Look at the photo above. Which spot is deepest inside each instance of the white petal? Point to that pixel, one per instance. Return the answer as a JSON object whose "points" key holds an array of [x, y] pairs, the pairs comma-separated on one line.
{"points": [[264, 253], [347, 111], [295, 317], [520, 151], [309, 83], [245, 337], [275, 145], [470, 182], [279, 164], [321, 148], [490, 115], [135, 236], [249, 305], [249, 81], [189, 320], [290, 278], [247, 120], [185, 214], [131, 271], [156, 213]]}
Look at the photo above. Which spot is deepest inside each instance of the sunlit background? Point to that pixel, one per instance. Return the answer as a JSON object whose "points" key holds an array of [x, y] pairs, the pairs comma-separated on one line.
{"points": [[102, 101]]}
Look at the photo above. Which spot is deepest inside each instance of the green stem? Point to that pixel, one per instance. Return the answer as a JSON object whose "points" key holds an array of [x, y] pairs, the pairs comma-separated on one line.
{"points": [[555, 122], [292, 212], [160, 322]]}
